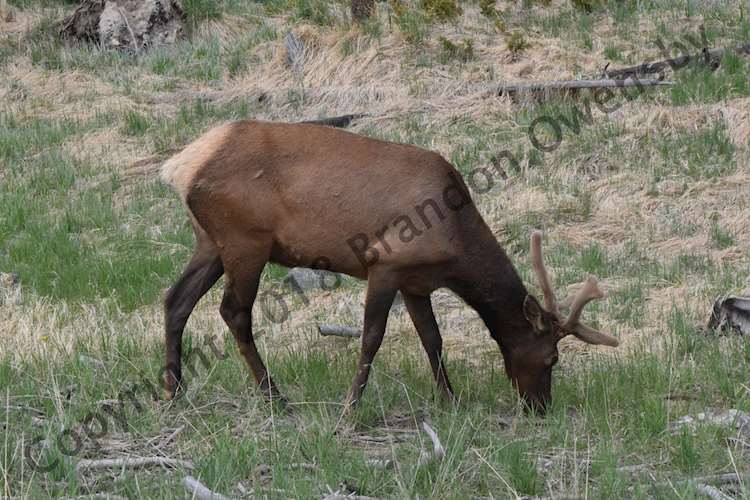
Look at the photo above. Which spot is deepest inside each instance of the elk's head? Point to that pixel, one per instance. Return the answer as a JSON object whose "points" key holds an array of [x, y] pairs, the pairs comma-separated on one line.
{"points": [[529, 360]]}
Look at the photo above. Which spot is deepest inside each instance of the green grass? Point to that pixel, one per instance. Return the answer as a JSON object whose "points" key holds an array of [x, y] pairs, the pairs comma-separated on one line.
{"points": [[97, 247], [201, 10], [607, 413], [698, 83]]}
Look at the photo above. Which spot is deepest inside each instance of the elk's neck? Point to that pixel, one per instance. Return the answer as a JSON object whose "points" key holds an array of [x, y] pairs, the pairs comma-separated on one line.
{"points": [[490, 284]]}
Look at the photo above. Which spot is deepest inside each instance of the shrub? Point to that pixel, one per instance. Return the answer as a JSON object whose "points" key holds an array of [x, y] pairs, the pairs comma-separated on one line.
{"points": [[413, 26], [442, 10], [516, 42], [586, 5], [315, 11], [200, 10], [463, 52], [487, 7]]}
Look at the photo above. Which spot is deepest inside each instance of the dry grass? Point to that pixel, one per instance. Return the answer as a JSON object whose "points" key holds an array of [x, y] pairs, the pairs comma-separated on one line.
{"points": [[380, 77], [646, 212]]}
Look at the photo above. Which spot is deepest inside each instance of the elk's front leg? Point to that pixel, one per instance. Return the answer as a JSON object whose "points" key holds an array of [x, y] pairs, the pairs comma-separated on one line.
{"points": [[380, 295], [423, 317]]}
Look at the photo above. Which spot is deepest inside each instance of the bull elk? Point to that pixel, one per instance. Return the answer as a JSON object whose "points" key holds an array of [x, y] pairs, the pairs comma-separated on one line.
{"points": [[394, 214]]}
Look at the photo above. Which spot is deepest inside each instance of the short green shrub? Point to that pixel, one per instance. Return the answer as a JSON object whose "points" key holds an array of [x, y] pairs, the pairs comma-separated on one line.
{"points": [[587, 5], [450, 51], [201, 10], [442, 10], [413, 26], [488, 9], [315, 11], [516, 42]]}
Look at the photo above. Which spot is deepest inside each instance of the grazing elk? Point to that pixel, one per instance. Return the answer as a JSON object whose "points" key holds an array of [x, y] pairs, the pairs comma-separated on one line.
{"points": [[397, 215]]}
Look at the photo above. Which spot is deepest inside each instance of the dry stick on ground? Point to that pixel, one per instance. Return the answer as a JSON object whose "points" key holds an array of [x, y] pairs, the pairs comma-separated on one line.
{"points": [[342, 496], [699, 483], [338, 121], [573, 85], [131, 463], [709, 56], [198, 491], [438, 452], [339, 331], [170, 438], [728, 478], [710, 491]]}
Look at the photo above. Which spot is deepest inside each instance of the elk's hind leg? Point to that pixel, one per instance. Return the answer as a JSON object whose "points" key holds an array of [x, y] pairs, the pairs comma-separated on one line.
{"points": [[203, 271], [243, 279], [423, 317]]}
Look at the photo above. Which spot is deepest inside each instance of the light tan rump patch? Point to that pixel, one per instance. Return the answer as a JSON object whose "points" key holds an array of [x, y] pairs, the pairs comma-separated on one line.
{"points": [[180, 170]]}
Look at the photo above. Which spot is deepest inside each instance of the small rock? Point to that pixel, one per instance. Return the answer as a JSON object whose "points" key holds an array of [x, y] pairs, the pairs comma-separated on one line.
{"points": [[312, 279], [8, 280], [729, 418], [10, 288]]}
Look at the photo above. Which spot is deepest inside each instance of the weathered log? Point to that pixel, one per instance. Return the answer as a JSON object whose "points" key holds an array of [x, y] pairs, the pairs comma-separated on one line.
{"points": [[339, 331], [131, 463], [710, 491], [338, 121], [710, 57], [198, 491], [730, 315], [573, 85]]}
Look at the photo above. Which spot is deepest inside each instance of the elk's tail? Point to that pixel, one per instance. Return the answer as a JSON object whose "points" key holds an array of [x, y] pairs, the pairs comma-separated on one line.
{"points": [[180, 170]]}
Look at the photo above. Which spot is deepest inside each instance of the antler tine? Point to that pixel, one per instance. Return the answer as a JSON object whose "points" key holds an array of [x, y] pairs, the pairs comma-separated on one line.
{"points": [[590, 291], [591, 336], [550, 302]]}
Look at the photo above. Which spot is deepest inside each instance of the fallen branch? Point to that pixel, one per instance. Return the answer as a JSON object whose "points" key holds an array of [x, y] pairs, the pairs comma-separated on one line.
{"points": [[380, 463], [95, 496], [170, 438], [573, 85], [710, 491], [658, 67], [337, 121], [728, 478], [304, 466], [341, 494], [198, 491], [23, 408], [339, 331], [700, 484], [438, 452], [131, 463]]}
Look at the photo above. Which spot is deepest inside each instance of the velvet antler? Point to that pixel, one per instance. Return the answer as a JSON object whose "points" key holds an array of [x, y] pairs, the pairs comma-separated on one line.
{"points": [[590, 291]]}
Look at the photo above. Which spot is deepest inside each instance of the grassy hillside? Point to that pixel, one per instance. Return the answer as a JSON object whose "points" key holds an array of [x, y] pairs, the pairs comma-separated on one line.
{"points": [[651, 193]]}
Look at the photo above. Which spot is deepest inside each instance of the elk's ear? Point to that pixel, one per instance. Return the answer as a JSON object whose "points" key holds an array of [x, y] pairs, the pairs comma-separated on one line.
{"points": [[534, 314]]}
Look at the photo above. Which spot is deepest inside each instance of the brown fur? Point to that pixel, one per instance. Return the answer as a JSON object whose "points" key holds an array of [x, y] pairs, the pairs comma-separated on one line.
{"points": [[298, 194]]}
